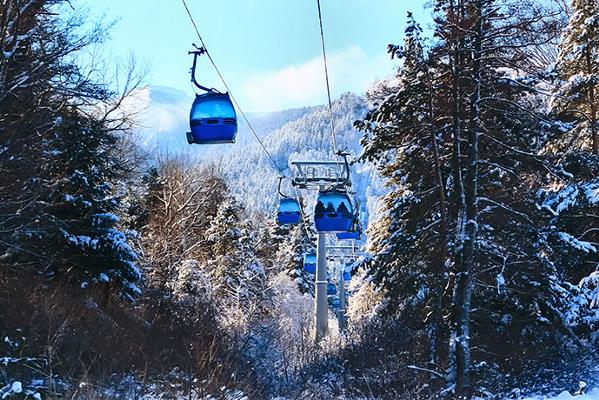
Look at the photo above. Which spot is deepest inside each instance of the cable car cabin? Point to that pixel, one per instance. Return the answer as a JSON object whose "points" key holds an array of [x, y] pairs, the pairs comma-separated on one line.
{"points": [[351, 235], [212, 119], [346, 276], [331, 289], [335, 303], [289, 212], [333, 212], [310, 263]]}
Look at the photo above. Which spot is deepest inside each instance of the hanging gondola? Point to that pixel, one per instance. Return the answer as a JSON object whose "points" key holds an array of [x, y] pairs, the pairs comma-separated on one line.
{"points": [[212, 118], [335, 302], [333, 212], [331, 289], [310, 263], [289, 211]]}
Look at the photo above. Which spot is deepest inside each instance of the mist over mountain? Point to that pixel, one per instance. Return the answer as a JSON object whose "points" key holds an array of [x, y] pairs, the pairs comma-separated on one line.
{"points": [[163, 118]]}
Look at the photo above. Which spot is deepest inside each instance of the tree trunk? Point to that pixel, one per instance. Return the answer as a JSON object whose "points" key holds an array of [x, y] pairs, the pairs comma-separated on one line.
{"points": [[463, 293], [592, 105], [437, 337], [456, 108], [457, 202]]}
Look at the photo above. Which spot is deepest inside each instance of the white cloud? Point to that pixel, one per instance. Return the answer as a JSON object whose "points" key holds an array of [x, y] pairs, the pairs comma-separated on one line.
{"points": [[161, 115], [350, 69]]}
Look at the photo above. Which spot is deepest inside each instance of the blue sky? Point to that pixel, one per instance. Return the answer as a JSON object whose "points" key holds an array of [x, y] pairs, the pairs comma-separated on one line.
{"points": [[268, 50]]}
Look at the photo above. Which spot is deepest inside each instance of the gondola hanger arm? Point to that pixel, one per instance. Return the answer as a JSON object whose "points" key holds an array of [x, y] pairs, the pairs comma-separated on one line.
{"points": [[279, 188], [197, 53]]}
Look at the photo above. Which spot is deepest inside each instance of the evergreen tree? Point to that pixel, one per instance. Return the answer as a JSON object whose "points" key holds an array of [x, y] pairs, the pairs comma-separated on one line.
{"points": [[59, 160], [79, 223], [460, 125], [578, 70], [290, 257], [403, 139], [270, 238], [237, 274]]}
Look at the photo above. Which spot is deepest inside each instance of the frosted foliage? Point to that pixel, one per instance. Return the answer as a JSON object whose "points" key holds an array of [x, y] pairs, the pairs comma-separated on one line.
{"points": [[190, 282], [237, 276], [577, 244], [237, 317], [364, 302], [577, 65], [293, 311], [556, 201], [592, 394], [591, 282], [290, 257]]}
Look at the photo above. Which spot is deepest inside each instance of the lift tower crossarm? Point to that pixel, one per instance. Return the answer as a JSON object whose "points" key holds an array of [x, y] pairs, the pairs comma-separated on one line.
{"points": [[316, 174], [349, 252]]}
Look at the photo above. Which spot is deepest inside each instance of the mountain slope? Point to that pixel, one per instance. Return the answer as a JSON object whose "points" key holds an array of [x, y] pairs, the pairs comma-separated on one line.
{"points": [[253, 178], [302, 133], [163, 118]]}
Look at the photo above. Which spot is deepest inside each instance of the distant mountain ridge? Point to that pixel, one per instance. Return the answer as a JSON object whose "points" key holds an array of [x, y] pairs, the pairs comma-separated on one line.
{"points": [[163, 115], [300, 133]]}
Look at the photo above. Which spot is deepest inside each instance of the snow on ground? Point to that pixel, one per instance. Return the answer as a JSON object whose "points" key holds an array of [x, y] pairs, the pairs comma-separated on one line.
{"points": [[591, 395]]}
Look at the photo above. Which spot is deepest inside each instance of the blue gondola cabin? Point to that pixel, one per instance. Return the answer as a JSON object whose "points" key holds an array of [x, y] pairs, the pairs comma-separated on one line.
{"points": [[331, 289], [212, 119], [289, 212], [310, 263], [333, 212]]}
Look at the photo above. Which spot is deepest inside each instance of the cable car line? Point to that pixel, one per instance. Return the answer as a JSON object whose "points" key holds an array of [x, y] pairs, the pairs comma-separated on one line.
{"points": [[326, 74], [281, 172]]}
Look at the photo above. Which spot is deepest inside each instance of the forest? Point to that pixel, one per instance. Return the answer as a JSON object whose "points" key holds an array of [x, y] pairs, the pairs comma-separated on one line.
{"points": [[127, 272]]}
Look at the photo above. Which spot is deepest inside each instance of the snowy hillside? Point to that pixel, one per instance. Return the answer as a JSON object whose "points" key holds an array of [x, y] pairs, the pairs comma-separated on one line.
{"points": [[254, 178], [295, 134]]}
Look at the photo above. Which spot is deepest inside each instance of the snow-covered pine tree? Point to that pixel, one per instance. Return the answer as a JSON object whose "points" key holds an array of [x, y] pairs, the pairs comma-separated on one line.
{"points": [[270, 237], [570, 200], [78, 226], [490, 132], [497, 132], [59, 163], [28, 68], [577, 69], [572, 239], [141, 198], [290, 257], [237, 274], [403, 139]]}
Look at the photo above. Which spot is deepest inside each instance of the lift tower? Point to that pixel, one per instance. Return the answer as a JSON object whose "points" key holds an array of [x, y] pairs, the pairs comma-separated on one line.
{"points": [[321, 176], [345, 253]]}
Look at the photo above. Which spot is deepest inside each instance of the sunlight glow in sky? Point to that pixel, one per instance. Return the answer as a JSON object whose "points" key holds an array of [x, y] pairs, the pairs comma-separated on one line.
{"points": [[268, 50]]}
